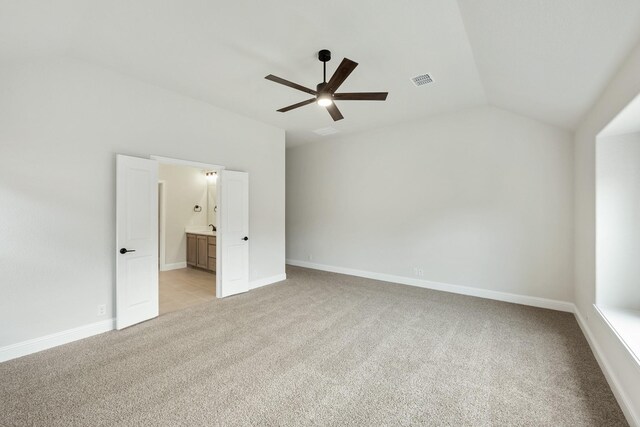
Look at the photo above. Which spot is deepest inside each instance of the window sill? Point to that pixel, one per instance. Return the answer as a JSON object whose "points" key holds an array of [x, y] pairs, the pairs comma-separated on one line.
{"points": [[625, 323]]}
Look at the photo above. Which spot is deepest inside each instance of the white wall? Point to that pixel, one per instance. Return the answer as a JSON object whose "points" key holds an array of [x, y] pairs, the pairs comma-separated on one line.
{"points": [[61, 124], [481, 198], [184, 187], [618, 221], [623, 371]]}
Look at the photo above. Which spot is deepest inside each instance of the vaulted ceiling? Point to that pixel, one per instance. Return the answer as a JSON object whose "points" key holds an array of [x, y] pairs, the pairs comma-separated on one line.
{"points": [[546, 59]]}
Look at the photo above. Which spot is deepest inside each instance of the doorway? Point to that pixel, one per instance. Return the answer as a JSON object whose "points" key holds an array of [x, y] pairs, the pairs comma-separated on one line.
{"points": [[187, 236], [141, 201]]}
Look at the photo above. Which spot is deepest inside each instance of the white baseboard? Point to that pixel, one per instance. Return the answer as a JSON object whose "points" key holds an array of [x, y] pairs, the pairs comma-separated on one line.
{"points": [[175, 266], [623, 400], [621, 397], [267, 281], [456, 289], [48, 341]]}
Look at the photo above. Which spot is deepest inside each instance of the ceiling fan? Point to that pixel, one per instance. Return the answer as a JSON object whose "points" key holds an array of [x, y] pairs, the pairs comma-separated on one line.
{"points": [[325, 93]]}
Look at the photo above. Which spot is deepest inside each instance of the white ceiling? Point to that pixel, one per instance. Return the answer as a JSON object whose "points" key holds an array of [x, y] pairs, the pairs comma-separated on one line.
{"points": [[545, 59], [549, 59]]}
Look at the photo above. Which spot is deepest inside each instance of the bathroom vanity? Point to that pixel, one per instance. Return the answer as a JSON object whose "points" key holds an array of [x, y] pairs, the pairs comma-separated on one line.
{"points": [[201, 250]]}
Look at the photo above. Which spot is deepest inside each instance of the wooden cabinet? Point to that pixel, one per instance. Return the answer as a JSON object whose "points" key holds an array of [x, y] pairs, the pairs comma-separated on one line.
{"points": [[201, 251], [212, 253], [192, 249], [203, 255]]}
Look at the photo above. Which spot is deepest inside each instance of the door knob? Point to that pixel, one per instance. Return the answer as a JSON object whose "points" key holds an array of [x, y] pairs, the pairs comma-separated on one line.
{"points": [[125, 250], [245, 238]]}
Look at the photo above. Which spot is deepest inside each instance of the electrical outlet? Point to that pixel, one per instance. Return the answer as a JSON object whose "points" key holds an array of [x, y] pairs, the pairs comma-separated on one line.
{"points": [[310, 257], [418, 271], [102, 309]]}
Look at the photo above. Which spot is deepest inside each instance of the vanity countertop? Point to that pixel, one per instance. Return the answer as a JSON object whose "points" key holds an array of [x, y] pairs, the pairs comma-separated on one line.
{"points": [[199, 230], [202, 233]]}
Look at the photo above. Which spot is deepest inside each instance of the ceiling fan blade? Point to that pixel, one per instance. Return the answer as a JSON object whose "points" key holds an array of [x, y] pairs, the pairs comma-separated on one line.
{"points": [[290, 84], [335, 113], [299, 104], [361, 96], [344, 69]]}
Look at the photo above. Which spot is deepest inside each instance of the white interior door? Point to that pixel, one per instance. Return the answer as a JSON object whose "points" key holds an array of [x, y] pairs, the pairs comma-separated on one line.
{"points": [[136, 240], [234, 221]]}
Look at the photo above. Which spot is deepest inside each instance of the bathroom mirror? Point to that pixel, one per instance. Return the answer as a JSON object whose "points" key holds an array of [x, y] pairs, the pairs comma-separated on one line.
{"points": [[211, 202]]}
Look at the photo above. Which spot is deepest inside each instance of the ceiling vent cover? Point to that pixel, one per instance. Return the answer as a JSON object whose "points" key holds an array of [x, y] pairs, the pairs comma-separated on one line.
{"points": [[326, 131], [421, 80]]}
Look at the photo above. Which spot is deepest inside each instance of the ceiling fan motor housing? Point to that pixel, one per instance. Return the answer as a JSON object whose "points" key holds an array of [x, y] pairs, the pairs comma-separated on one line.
{"points": [[324, 55]]}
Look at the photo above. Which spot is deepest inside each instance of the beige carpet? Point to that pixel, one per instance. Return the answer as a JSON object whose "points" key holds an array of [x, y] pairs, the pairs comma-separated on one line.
{"points": [[321, 349]]}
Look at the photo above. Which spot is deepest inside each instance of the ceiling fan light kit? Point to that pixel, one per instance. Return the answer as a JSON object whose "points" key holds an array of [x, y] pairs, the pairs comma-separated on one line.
{"points": [[324, 100], [325, 93]]}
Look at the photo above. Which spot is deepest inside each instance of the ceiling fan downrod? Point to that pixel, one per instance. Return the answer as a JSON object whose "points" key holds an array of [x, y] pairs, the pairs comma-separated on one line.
{"points": [[325, 56]]}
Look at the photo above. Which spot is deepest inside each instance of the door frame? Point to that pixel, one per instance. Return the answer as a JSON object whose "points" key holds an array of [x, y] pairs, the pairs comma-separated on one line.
{"points": [[162, 222], [219, 237]]}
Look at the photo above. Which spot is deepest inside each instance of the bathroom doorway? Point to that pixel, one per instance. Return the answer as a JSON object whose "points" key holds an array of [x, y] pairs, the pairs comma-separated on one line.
{"points": [[218, 255], [187, 235]]}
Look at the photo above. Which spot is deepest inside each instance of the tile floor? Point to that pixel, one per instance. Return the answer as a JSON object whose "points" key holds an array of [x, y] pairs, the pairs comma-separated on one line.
{"points": [[185, 287]]}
